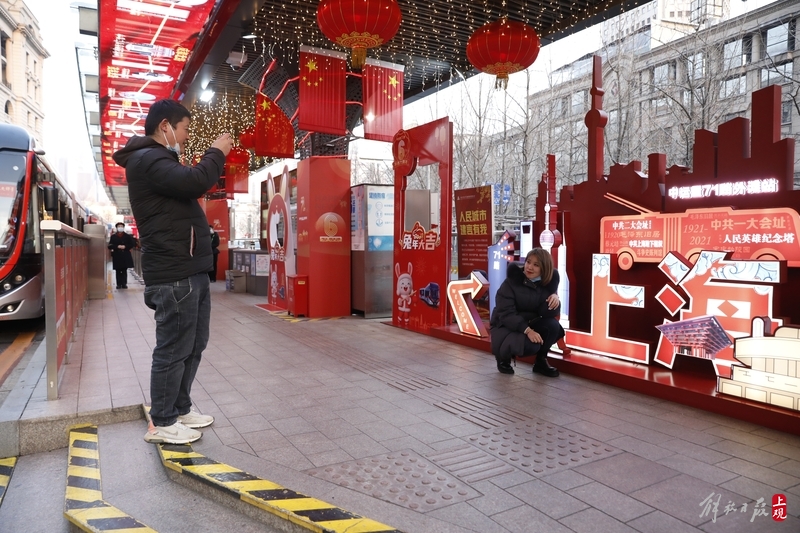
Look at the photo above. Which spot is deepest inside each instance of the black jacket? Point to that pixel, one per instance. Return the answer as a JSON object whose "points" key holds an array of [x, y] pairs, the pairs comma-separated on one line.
{"points": [[173, 229], [517, 301], [122, 259]]}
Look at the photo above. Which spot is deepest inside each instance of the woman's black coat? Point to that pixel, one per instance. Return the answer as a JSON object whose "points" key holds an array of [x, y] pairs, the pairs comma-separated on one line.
{"points": [[518, 300], [122, 259]]}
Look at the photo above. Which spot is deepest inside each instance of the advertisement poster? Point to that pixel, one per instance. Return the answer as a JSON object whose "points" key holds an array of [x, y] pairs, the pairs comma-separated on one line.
{"points": [[380, 217], [474, 227]]}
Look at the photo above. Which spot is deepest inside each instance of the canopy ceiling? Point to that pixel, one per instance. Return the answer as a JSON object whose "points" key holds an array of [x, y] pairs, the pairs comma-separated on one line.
{"points": [[152, 49]]}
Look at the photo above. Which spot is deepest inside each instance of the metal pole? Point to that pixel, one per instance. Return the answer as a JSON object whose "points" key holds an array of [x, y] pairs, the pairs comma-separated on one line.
{"points": [[51, 327]]}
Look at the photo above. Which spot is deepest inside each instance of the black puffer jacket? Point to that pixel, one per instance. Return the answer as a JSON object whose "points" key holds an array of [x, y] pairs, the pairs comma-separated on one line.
{"points": [[517, 301], [173, 229]]}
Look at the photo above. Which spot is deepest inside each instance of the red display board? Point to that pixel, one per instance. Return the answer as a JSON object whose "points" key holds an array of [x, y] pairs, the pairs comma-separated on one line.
{"points": [[217, 215], [323, 234], [280, 242], [474, 227], [421, 255]]}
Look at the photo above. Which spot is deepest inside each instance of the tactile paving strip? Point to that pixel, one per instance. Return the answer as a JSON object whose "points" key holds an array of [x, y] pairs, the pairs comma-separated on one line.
{"points": [[469, 463], [482, 412], [417, 384], [540, 448], [404, 478]]}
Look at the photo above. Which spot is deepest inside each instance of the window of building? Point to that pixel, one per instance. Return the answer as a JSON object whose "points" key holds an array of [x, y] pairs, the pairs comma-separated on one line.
{"points": [[776, 74], [732, 54], [779, 39], [660, 105], [786, 112], [663, 74], [7, 108], [578, 102], [695, 66], [733, 87]]}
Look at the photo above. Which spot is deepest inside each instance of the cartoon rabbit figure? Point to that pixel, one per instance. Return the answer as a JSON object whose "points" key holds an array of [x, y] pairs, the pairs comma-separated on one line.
{"points": [[274, 283], [405, 288]]}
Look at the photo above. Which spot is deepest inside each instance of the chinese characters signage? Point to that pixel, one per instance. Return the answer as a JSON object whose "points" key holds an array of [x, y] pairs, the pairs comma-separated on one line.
{"points": [[474, 227]]}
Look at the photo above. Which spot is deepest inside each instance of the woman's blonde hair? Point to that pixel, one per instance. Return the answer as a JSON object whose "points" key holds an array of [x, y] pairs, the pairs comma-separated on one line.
{"points": [[545, 263]]}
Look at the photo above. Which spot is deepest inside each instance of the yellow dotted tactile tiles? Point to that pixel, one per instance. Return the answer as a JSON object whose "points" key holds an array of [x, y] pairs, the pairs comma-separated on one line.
{"points": [[6, 469], [84, 505], [300, 509]]}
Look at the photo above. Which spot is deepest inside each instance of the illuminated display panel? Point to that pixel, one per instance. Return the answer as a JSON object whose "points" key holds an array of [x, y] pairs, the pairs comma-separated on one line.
{"points": [[143, 48]]}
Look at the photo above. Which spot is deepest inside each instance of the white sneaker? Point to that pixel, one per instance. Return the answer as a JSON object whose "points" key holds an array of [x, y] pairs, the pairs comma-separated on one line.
{"points": [[177, 433], [193, 419]]}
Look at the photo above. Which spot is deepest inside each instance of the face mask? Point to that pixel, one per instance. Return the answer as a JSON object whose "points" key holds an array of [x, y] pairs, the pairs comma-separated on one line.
{"points": [[120, 229], [176, 148]]}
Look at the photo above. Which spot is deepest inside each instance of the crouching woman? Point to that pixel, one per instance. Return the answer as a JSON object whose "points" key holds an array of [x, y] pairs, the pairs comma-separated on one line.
{"points": [[524, 319]]}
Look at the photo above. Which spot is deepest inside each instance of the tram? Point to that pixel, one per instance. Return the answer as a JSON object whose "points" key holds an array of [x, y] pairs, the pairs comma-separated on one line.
{"points": [[29, 193]]}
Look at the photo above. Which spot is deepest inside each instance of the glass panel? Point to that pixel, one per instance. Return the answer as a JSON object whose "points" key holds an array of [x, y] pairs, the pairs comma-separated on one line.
{"points": [[12, 188]]}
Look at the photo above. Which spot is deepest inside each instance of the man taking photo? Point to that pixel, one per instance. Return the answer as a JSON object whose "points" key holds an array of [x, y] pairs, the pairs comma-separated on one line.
{"points": [[176, 258]]}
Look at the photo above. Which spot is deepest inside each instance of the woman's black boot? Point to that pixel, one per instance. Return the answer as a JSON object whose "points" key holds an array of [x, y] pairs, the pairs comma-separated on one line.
{"points": [[504, 367], [541, 366]]}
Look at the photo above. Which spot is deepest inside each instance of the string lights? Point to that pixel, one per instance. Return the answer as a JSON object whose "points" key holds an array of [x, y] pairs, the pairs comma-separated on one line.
{"points": [[224, 114]]}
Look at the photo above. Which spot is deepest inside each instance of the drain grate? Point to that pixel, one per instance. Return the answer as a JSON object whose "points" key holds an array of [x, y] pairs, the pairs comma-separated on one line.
{"points": [[404, 478], [541, 448], [469, 463], [482, 412]]}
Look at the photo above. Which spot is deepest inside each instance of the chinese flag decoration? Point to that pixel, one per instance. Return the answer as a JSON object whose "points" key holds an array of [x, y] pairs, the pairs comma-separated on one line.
{"points": [[383, 99], [274, 135], [237, 169], [323, 86]]}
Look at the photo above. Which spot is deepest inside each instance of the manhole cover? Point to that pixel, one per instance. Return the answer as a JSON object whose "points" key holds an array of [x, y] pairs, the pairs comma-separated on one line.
{"points": [[541, 448], [404, 478]]}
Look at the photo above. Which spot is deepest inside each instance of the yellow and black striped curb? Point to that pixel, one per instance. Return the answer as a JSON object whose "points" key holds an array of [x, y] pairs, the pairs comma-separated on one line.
{"points": [[6, 469], [84, 505], [299, 509]]}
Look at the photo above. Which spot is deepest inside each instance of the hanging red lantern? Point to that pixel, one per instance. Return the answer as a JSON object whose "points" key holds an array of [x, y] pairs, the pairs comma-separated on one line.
{"points": [[248, 137], [503, 47], [359, 24]]}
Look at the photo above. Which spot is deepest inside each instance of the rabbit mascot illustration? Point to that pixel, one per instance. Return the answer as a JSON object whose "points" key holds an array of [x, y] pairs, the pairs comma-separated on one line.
{"points": [[405, 288]]}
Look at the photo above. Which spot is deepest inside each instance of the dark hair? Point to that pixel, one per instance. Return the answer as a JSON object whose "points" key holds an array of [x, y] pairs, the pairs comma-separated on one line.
{"points": [[164, 109], [545, 263]]}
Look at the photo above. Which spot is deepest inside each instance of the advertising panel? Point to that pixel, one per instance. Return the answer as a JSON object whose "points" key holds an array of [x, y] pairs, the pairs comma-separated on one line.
{"points": [[474, 228]]}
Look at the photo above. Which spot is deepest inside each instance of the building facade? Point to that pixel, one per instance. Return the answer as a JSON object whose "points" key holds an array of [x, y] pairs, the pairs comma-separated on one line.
{"points": [[22, 55]]}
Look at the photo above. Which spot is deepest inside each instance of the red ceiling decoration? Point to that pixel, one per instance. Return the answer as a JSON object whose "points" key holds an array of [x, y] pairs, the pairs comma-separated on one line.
{"points": [[143, 48], [503, 47], [359, 24]]}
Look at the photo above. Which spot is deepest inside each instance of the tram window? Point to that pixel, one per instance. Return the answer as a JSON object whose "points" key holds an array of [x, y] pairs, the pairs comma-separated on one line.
{"points": [[12, 179]]}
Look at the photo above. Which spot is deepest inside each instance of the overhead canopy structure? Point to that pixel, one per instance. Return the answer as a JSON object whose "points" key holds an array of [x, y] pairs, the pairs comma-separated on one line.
{"points": [[152, 49]]}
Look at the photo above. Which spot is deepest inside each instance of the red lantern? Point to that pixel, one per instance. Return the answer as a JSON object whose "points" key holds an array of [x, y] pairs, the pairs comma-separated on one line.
{"points": [[503, 47], [248, 137], [359, 24]]}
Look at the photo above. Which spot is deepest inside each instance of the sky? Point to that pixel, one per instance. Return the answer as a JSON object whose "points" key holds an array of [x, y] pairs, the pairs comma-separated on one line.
{"points": [[66, 140]]}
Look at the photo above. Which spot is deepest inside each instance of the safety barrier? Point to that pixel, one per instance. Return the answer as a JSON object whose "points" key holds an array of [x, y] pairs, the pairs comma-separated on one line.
{"points": [[66, 285], [137, 261]]}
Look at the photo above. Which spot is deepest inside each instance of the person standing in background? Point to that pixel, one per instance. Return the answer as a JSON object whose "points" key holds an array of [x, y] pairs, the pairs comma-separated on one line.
{"points": [[121, 244], [212, 274]]}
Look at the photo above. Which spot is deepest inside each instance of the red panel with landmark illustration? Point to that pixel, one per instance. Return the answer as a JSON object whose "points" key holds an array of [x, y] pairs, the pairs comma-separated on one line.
{"points": [[703, 264]]}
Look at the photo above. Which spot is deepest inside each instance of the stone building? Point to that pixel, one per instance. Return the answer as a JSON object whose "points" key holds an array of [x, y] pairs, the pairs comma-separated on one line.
{"points": [[22, 55]]}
